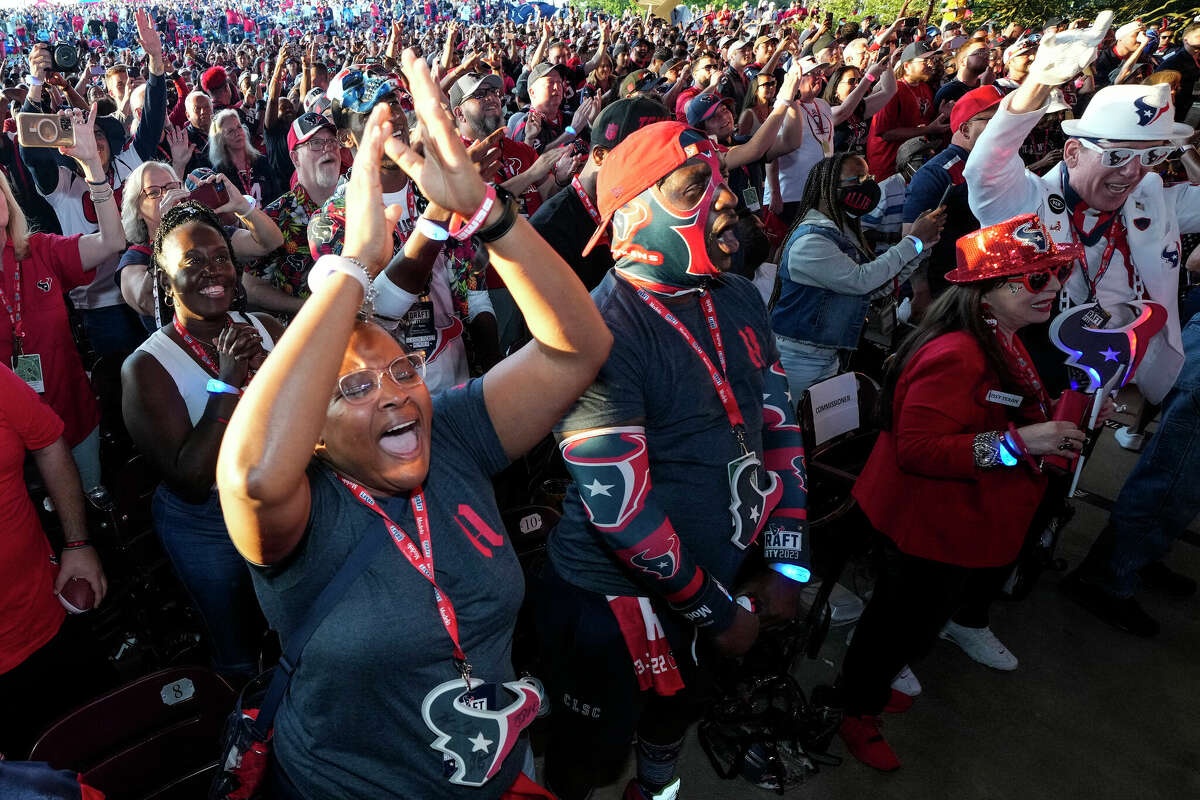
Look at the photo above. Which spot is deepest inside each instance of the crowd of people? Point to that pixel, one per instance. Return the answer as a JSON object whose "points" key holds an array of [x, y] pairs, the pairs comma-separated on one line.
{"points": [[351, 260]]}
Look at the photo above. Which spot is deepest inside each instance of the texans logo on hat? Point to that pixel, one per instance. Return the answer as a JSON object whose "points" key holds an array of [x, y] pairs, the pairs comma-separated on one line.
{"points": [[1147, 113], [1032, 235]]}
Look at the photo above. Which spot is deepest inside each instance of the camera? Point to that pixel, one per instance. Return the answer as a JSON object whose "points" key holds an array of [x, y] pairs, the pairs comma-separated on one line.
{"points": [[45, 130], [64, 58]]}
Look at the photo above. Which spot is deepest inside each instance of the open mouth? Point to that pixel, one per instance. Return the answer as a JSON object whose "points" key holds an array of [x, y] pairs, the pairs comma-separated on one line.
{"points": [[1043, 306], [402, 440], [725, 235], [1117, 188], [213, 291]]}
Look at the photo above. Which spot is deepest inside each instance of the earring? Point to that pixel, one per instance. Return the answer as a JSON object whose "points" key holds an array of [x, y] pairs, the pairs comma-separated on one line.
{"points": [[169, 299]]}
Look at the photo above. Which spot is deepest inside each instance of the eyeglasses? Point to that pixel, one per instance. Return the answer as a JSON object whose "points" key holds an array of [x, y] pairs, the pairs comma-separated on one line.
{"points": [[155, 192], [1037, 281], [1113, 157], [767, 85], [359, 387], [320, 145], [484, 94]]}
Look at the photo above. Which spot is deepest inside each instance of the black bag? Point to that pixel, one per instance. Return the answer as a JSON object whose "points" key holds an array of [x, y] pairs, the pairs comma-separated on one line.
{"points": [[246, 740]]}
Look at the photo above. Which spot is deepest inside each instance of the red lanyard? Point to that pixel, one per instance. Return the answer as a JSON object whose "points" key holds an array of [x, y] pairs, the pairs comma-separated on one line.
{"points": [[194, 344], [818, 117], [587, 201], [1019, 358], [1115, 238], [13, 308], [421, 560], [719, 380]]}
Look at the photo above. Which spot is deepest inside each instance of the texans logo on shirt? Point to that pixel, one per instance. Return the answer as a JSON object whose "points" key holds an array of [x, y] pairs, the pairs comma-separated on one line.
{"points": [[1147, 113], [475, 741], [665, 564], [750, 504], [44, 284], [1100, 352], [1170, 255], [617, 491], [1032, 235], [478, 531], [445, 336]]}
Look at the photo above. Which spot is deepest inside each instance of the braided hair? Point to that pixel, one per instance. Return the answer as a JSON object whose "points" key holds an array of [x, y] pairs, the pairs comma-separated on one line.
{"points": [[821, 193], [185, 213]]}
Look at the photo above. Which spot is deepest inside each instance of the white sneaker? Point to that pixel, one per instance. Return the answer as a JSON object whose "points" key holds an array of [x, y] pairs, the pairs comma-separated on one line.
{"points": [[906, 682], [1130, 440], [981, 645], [845, 607]]}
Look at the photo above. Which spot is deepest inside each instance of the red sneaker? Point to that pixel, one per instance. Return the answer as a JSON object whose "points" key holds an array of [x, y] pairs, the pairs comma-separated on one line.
{"points": [[898, 703], [866, 743]]}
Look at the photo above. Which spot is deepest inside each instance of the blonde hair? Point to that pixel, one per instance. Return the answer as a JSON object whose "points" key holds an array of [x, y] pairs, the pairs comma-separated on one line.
{"points": [[18, 227]]}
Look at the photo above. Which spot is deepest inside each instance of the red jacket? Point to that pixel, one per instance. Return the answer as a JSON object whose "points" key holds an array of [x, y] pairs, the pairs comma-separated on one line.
{"points": [[921, 487]]}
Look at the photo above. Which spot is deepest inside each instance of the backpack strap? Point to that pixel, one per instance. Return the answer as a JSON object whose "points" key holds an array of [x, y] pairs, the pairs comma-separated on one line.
{"points": [[354, 566]]}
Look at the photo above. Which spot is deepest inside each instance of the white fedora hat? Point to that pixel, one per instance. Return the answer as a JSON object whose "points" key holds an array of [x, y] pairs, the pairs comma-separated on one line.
{"points": [[1129, 113]]}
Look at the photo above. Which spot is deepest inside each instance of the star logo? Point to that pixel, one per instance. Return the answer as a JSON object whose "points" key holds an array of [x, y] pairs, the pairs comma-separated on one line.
{"points": [[1147, 113], [598, 488], [1109, 354], [480, 743], [754, 512]]}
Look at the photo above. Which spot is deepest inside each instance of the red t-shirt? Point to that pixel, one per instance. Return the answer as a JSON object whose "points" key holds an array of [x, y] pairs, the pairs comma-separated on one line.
{"points": [[909, 107], [52, 268], [681, 103], [30, 614]]}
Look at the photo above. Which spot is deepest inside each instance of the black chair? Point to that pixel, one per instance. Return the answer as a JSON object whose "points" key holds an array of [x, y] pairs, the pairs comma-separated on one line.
{"points": [[156, 737]]}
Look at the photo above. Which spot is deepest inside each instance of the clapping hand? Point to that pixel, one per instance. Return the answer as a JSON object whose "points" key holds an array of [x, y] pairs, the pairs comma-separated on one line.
{"points": [[1063, 55]]}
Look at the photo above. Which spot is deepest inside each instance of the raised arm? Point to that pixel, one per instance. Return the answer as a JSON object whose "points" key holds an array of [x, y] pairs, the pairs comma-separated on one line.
{"points": [[95, 248], [154, 115]]}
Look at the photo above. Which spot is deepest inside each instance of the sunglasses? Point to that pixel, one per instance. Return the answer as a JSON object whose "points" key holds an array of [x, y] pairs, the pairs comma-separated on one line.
{"points": [[1114, 157], [1037, 281], [360, 386]]}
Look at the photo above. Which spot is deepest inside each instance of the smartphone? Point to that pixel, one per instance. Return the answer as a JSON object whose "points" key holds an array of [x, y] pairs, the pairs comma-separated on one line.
{"points": [[885, 51], [945, 194], [45, 130], [211, 195]]}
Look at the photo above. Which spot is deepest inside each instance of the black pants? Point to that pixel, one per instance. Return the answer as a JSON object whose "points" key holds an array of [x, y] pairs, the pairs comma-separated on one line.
{"points": [[913, 599], [61, 675]]}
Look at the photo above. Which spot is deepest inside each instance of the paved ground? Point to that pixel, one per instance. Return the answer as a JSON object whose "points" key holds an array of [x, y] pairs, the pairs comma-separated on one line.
{"points": [[1091, 712]]}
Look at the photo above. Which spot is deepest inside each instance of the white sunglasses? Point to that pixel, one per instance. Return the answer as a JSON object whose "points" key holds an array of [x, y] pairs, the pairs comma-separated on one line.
{"points": [[1114, 157]]}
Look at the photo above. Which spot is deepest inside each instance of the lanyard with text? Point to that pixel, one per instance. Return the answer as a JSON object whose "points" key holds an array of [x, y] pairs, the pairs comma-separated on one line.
{"points": [[421, 559], [1114, 239], [588, 205], [719, 377], [13, 307], [194, 344]]}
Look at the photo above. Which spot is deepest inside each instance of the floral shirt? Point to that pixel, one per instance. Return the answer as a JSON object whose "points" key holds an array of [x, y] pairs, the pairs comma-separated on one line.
{"points": [[286, 268]]}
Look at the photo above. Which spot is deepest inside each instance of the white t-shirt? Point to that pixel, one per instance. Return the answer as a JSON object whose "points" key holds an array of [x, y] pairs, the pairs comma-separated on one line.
{"points": [[817, 118]]}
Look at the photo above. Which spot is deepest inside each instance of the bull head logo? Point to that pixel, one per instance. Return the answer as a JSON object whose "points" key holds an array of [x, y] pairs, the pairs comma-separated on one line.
{"points": [[1099, 352], [477, 740]]}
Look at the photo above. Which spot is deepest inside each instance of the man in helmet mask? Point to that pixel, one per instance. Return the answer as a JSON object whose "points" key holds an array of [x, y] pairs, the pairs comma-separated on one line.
{"points": [[1105, 195], [686, 459]]}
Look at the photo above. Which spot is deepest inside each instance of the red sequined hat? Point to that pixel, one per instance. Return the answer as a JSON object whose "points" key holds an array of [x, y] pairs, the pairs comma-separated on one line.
{"points": [[1017, 246]]}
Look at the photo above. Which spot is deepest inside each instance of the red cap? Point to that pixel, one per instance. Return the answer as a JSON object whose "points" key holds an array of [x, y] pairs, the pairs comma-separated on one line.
{"points": [[641, 160], [1017, 246], [973, 102], [213, 78]]}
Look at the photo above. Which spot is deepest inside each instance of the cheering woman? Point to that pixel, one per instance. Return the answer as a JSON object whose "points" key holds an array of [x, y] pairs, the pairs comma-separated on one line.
{"points": [[337, 438], [955, 477]]}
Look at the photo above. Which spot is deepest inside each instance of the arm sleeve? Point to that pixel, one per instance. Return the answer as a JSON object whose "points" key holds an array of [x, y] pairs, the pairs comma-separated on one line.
{"points": [[783, 454], [815, 260], [932, 426], [611, 469], [154, 116], [999, 186]]}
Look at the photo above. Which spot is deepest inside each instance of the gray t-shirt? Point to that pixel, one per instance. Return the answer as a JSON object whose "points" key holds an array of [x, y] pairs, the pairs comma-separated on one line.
{"points": [[351, 725]]}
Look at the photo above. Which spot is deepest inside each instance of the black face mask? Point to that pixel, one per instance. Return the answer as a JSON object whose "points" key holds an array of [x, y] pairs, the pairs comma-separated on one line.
{"points": [[859, 198]]}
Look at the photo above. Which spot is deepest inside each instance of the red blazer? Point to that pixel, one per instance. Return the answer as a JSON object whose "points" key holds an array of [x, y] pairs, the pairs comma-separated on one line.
{"points": [[921, 487]]}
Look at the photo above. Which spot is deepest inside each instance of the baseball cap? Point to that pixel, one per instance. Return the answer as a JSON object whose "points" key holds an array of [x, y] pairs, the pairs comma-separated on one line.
{"points": [[305, 127], [471, 83], [1128, 29], [641, 160], [669, 65], [640, 80], [543, 69], [1022, 45], [914, 51], [213, 78], [914, 147], [703, 106], [641, 42], [973, 102], [738, 44], [623, 117], [763, 40]]}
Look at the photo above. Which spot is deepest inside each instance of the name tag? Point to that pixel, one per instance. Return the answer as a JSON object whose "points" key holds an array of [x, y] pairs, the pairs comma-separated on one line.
{"points": [[1004, 398]]}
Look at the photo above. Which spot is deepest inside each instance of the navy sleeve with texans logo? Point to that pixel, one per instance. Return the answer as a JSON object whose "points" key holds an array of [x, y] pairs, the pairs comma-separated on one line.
{"points": [[654, 380]]}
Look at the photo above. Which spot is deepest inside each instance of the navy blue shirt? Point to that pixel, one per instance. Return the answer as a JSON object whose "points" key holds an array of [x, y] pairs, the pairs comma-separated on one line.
{"points": [[653, 376], [924, 191], [351, 725]]}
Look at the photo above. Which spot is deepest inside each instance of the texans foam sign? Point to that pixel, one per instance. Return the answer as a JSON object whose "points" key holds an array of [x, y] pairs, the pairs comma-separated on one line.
{"points": [[1099, 352]]}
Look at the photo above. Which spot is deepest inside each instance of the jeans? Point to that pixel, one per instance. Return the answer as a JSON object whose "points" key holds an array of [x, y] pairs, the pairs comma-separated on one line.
{"points": [[215, 576], [87, 460], [1161, 495], [805, 364], [113, 330]]}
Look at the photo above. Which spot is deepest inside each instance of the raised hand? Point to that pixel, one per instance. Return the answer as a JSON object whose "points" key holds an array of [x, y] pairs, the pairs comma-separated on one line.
{"points": [[1063, 55], [84, 150], [180, 146], [147, 34]]}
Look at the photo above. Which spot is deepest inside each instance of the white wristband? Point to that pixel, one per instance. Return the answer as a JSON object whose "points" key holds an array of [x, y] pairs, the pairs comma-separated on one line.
{"points": [[33, 80], [916, 243], [431, 230], [249, 198], [328, 264], [780, 103]]}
